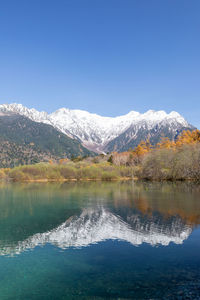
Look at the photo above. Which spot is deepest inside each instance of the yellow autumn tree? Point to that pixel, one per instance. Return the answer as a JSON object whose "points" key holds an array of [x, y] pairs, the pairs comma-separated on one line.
{"points": [[188, 137], [63, 161], [165, 143], [141, 150]]}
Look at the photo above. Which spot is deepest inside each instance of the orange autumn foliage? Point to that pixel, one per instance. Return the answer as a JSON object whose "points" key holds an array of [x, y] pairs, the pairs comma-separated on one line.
{"points": [[143, 148], [135, 156], [63, 161], [188, 137], [165, 143]]}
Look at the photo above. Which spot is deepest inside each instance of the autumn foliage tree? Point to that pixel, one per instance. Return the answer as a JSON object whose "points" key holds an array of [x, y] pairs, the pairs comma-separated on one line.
{"points": [[141, 150], [165, 143], [188, 137], [63, 161]]}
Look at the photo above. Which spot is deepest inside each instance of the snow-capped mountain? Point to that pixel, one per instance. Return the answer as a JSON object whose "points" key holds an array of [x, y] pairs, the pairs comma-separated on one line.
{"points": [[99, 133], [96, 225]]}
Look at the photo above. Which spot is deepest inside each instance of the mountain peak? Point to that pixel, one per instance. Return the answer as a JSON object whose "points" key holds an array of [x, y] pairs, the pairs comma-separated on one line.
{"points": [[175, 114]]}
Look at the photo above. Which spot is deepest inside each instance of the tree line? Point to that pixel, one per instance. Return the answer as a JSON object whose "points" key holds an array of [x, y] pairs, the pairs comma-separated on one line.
{"points": [[167, 160]]}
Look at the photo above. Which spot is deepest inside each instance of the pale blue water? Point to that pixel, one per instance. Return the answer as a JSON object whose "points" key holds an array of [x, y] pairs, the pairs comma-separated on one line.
{"points": [[100, 241]]}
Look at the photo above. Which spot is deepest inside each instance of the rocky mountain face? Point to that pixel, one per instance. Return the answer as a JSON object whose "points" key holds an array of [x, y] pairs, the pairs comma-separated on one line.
{"points": [[131, 137], [102, 134]]}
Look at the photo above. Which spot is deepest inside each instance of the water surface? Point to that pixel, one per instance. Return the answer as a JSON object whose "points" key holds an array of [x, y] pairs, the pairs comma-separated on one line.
{"points": [[100, 240]]}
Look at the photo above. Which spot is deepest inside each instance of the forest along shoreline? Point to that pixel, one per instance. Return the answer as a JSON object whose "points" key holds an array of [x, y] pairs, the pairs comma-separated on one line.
{"points": [[167, 160]]}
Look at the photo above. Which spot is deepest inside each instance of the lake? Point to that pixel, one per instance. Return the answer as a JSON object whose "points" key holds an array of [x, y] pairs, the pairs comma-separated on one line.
{"points": [[100, 240]]}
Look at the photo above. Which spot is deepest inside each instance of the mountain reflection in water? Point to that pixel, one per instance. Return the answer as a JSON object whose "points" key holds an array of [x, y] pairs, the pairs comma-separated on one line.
{"points": [[78, 215]]}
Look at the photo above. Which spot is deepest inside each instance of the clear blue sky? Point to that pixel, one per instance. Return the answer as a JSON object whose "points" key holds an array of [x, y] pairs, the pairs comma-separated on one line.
{"points": [[104, 56]]}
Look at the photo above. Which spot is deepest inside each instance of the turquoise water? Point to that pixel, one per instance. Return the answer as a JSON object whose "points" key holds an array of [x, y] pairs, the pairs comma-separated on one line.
{"points": [[100, 241]]}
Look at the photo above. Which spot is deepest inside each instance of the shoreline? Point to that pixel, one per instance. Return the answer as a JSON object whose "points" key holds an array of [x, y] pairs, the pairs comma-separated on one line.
{"points": [[71, 180], [46, 180]]}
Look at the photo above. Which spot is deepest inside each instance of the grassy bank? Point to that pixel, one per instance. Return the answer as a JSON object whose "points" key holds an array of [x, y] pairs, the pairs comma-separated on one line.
{"points": [[70, 171]]}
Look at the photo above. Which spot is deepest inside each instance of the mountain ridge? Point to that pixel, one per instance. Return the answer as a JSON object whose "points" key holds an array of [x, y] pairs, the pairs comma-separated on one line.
{"points": [[100, 134]]}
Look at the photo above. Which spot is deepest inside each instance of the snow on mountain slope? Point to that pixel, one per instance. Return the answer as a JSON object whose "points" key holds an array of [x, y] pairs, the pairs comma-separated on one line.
{"points": [[97, 225], [32, 113], [95, 131]]}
